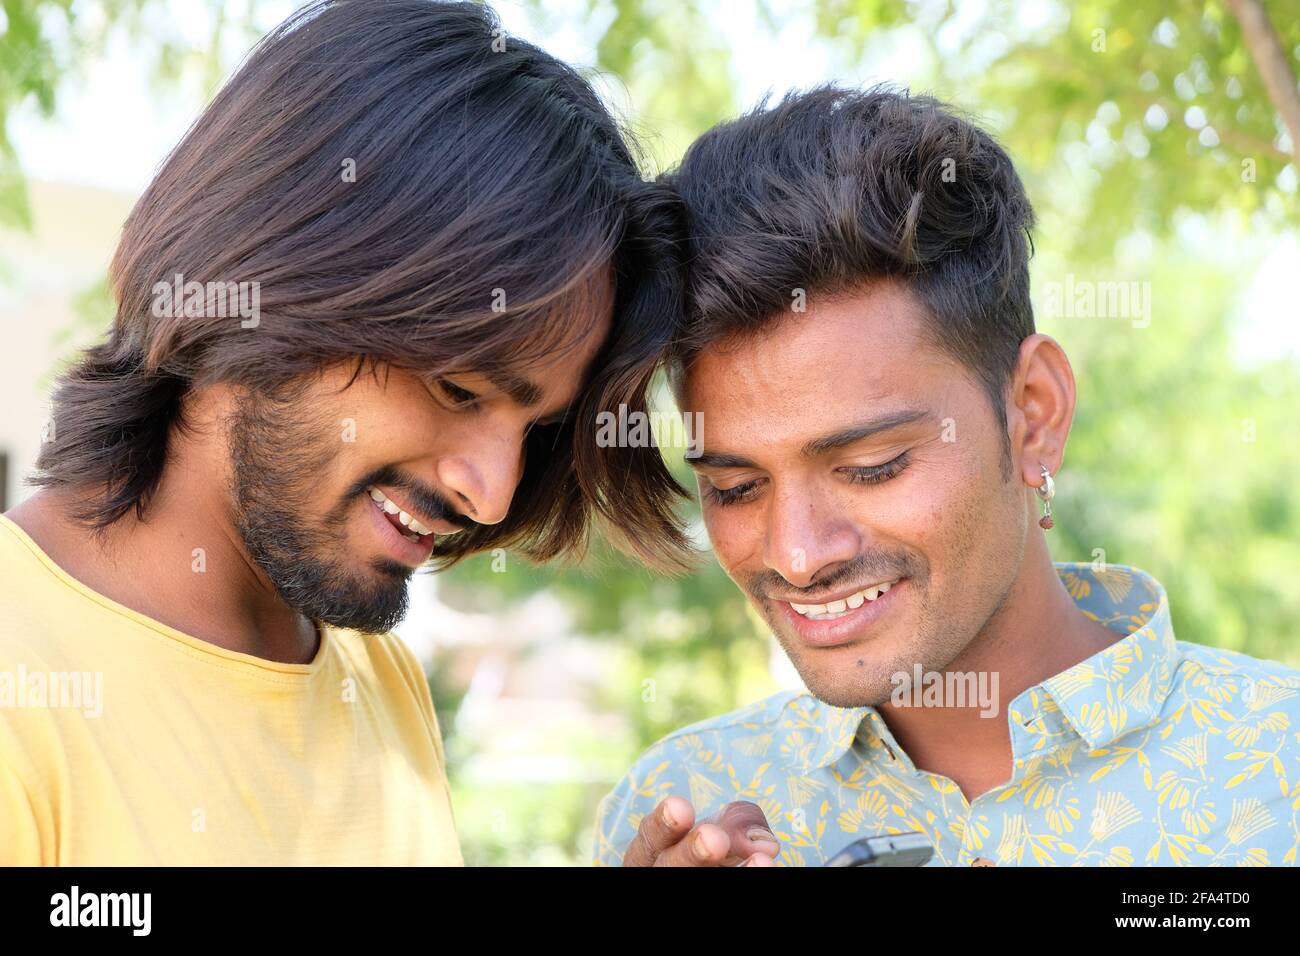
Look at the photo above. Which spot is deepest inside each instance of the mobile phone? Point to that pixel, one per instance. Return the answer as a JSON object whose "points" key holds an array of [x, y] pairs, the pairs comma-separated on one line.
{"points": [[887, 849]]}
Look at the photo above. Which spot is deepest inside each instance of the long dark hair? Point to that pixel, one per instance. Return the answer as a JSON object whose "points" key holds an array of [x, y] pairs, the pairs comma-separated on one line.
{"points": [[483, 167]]}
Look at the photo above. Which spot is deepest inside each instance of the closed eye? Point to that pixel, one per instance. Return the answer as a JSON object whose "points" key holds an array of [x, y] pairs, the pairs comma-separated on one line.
{"points": [[460, 397], [873, 474], [858, 475], [730, 496]]}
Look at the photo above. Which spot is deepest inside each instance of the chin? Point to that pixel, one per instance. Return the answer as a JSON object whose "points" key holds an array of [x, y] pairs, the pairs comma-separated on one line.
{"points": [[849, 701], [839, 692], [849, 676], [369, 618], [371, 599]]}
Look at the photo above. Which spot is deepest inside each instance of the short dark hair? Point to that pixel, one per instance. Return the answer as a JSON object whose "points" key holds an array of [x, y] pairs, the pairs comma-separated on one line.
{"points": [[481, 164], [833, 188]]}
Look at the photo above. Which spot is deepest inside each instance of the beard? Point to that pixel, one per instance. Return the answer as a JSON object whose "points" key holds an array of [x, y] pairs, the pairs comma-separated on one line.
{"points": [[277, 453]]}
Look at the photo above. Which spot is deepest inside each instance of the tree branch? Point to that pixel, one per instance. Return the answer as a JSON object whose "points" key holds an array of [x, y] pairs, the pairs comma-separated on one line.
{"points": [[1270, 59]]}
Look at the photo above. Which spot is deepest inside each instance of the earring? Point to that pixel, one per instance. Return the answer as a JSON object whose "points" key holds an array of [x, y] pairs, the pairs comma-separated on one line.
{"points": [[1045, 491]]}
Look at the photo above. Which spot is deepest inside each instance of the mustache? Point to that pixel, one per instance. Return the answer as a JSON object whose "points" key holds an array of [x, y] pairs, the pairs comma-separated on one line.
{"points": [[875, 566], [429, 500]]}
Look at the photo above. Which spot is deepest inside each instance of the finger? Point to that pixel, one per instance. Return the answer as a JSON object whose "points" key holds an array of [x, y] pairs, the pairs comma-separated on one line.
{"points": [[661, 828], [759, 859], [706, 845], [747, 831]]}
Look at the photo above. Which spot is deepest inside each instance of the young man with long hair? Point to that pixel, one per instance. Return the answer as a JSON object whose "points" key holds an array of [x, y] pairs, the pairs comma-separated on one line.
{"points": [[366, 315]]}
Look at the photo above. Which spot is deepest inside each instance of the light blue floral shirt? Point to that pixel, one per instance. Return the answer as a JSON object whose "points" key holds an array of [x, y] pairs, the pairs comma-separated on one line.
{"points": [[1151, 752]]}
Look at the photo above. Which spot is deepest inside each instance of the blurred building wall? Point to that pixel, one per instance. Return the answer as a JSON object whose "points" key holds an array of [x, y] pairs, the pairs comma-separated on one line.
{"points": [[42, 273]]}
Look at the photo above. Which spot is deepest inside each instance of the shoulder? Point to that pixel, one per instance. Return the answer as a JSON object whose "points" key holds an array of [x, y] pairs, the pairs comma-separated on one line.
{"points": [[748, 732], [1231, 679], [768, 712], [1202, 665], [385, 661], [37, 604], [382, 657]]}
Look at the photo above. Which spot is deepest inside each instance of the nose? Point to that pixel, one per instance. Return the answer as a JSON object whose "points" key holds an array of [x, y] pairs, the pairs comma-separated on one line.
{"points": [[803, 536], [482, 475]]}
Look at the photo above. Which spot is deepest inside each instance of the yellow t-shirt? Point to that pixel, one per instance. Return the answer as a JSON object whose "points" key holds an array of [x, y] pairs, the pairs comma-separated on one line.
{"points": [[125, 742]]}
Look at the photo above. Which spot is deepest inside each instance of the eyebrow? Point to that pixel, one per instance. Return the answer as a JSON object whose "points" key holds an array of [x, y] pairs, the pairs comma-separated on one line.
{"points": [[523, 391], [819, 446]]}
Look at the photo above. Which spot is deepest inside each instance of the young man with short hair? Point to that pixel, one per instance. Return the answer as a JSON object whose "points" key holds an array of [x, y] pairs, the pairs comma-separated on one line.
{"points": [[884, 431]]}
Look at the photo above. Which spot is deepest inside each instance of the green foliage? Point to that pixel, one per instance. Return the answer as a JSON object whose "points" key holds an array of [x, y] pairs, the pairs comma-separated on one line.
{"points": [[29, 69], [1129, 112], [678, 88], [44, 42], [1136, 111], [1126, 111], [1177, 459]]}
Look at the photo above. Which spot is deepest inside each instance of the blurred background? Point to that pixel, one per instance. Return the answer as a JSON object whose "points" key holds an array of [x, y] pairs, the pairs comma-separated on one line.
{"points": [[1158, 141]]}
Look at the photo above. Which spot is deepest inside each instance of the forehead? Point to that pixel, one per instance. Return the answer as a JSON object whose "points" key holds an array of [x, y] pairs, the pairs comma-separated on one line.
{"points": [[862, 352]]}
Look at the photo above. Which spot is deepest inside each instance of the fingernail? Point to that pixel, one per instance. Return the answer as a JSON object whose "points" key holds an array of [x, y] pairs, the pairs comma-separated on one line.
{"points": [[668, 818], [699, 848], [759, 835]]}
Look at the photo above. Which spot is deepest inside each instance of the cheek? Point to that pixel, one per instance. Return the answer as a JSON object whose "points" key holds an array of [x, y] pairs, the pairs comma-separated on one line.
{"points": [[912, 509], [397, 412], [935, 507], [736, 542], [969, 514], [398, 431]]}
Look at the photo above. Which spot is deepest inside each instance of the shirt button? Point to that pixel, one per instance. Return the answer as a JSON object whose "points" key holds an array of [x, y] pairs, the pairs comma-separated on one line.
{"points": [[982, 861]]}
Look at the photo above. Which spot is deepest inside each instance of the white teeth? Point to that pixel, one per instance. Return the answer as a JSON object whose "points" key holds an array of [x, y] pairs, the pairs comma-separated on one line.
{"points": [[408, 520], [825, 612], [825, 615]]}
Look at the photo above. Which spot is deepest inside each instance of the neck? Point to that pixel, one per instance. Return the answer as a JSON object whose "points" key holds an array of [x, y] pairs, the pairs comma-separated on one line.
{"points": [[1037, 633], [184, 564]]}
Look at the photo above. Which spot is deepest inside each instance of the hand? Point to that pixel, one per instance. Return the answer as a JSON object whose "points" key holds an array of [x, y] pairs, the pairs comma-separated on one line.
{"points": [[737, 836]]}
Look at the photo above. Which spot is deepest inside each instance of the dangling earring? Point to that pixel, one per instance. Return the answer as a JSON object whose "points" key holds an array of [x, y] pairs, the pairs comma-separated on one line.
{"points": [[1045, 491]]}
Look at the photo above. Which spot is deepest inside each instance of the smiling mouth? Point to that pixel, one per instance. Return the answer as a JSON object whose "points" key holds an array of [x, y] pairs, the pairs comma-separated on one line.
{"points": [[839, 608], [407, 525]]}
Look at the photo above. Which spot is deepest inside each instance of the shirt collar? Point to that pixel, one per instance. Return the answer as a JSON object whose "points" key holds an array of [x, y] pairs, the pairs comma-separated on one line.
{"points": [[1124, 686], [1111, 693]]}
